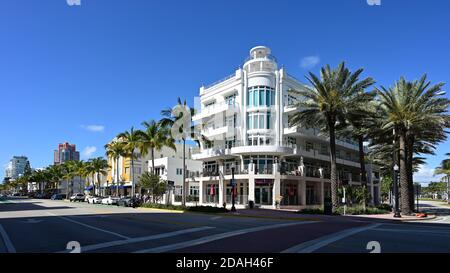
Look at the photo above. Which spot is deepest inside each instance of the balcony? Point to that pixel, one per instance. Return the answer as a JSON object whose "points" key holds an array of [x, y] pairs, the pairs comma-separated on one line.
{"points": [[229, 109], [289, 109], [262, 149], [211, 133], [212, 153]]}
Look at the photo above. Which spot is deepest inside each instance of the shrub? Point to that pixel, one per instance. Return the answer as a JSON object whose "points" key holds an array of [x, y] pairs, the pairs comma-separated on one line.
{"points": [[361, 211], [163, 206], [206, 209], [386, 207], [311, 211]]}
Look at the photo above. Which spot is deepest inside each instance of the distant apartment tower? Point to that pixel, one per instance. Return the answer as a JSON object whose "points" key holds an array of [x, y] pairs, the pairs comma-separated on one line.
{"points": [[66, 152], [17, 167]]}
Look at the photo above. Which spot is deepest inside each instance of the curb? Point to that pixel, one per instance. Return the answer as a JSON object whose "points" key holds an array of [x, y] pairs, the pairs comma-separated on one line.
{"points": [[430, 217], [162, 210], [269, 217]]}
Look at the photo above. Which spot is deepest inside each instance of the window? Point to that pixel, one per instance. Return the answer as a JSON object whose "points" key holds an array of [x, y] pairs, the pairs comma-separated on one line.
{"points": [[309, 146], [259, 120], [179, 171], [260, 96], [193, 190], [230, 100], [323, 149], [210, 104], [258, 140], [127, 169]]}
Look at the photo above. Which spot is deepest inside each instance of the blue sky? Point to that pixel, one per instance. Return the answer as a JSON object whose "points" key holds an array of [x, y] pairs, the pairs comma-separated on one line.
{"points": [[85, 73]]}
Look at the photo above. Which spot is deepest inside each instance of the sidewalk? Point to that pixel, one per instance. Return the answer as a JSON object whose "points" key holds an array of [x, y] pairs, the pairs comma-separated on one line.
{"points": [[390, 216], [291, 215]]}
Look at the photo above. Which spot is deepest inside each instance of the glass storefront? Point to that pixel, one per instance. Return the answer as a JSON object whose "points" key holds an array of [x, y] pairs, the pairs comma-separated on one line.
{"points": [[263, 191]]}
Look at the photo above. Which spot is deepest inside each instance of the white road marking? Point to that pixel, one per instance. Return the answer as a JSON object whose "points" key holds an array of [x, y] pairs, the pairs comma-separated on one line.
{"points": [[216, 237], [89, 226], [313, 245], [140, 239], [443, 232], [9, 246], [216, 218]]}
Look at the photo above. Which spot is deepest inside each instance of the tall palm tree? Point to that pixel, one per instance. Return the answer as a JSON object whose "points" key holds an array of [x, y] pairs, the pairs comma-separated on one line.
{"points": [[154, 138], [115, 150], [444, 168], [417, 114], [171, 118], [132, 139], [326, 106], [99, 166]]}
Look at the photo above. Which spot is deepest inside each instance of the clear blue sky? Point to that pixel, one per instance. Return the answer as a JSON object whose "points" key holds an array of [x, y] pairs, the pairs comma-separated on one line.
{"points": [[118, 63]]}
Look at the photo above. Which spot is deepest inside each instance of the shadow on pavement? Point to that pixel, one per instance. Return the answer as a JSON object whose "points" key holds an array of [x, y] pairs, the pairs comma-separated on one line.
{"points": [[5, 207]]}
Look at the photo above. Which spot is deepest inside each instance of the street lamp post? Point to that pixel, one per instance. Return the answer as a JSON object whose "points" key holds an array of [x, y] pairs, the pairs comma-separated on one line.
{"points": [[394, 177], [233, 188], [396, 209]]}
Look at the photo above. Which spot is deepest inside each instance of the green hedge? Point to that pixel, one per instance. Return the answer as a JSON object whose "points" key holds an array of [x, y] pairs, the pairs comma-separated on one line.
{"points": [[207, 209], [382, 209], [361, 211]]}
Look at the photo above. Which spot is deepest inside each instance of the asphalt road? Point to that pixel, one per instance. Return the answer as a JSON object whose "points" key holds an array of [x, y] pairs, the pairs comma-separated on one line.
{"points": [[46, 226]]}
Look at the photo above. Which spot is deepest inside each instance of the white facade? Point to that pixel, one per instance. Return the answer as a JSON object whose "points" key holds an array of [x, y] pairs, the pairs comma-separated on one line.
{"points": [[169, 166], [246, 118]]}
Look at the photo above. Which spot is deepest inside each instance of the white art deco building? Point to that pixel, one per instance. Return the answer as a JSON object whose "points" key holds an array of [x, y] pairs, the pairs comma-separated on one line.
{"points": [[246, 116]]}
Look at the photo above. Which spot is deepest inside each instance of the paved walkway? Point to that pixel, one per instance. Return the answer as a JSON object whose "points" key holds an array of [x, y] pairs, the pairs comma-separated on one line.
{"points": [[291, 215]]}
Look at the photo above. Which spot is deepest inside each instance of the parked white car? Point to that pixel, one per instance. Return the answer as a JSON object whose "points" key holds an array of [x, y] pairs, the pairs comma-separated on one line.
{"points": [[94, 200], [111, 200], [77, 197]]}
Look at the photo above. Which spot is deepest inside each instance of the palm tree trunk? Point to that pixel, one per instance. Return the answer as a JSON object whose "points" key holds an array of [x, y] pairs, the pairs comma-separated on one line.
{"points": [[98, 180], [133, 190], [117, 176], [409, 162], [362, 165], [67, 188], [184, 172], [93, 183], [333, 178], [404, 187], [153, 161]]}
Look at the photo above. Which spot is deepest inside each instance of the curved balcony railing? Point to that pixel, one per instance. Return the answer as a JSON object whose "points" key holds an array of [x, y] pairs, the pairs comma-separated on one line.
{"points": [[267, 57], [220, 81]]}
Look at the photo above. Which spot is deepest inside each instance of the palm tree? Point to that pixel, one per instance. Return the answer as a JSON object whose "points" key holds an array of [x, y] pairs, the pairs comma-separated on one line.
{"points": [[361, 122], [68, 174], [417, 115], [327, 104], [444, 168], [132, 140], [99, 166], [154, 138], [172, 117], [55, 173], [115, 150]]}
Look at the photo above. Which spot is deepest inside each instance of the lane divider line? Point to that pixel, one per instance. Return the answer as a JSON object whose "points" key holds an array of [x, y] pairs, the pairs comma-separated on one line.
{"points": [[9, 245], [89, 226], [313, 245], [140, 239], [216, 237]]}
